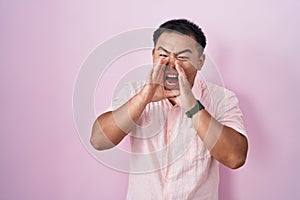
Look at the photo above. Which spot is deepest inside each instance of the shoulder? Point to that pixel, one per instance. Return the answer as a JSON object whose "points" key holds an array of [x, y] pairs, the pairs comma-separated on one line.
{"points": [[221, 96], [219, 91], [123, 92], [128, 88], [218, 99], [204, 89]]}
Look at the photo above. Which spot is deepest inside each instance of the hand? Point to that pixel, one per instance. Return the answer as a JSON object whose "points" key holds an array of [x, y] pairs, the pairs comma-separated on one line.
{"points": [[186, 100], [154, 90]]}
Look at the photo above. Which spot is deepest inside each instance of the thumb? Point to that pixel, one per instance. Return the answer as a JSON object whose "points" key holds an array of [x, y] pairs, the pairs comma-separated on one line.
{"points": [[180, 69], [182, 78]]}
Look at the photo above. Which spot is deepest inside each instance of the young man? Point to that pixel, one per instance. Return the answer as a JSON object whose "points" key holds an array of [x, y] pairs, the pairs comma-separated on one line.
{"points": [[185, 125]]}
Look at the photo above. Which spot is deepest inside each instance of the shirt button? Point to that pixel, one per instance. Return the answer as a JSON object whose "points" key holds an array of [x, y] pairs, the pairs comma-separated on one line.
{"points": [[169, 132]]}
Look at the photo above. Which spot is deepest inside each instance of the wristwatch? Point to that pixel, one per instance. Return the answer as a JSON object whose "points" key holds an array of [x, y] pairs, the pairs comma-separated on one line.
{"points": [[195, 109]]}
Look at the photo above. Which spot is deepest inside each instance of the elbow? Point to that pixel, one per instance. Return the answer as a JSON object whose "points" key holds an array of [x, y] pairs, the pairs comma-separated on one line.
{"points": [[98, 139], [238, 157], [100, 142], [237, 161], [96, 144]]}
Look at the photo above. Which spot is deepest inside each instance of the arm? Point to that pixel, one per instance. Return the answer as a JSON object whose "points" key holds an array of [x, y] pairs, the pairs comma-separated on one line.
{"points": [[224, 143], [111, 127]]}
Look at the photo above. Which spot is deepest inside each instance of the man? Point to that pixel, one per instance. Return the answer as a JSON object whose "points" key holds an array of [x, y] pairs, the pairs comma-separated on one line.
{"points": [[184, 124]]}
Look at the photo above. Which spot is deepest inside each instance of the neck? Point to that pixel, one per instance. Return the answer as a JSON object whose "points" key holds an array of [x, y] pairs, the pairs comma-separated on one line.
{"points": [[173, 101]]}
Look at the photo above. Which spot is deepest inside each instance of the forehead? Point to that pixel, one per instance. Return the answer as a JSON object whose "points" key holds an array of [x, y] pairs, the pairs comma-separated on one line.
{"points": [[175, 42]]}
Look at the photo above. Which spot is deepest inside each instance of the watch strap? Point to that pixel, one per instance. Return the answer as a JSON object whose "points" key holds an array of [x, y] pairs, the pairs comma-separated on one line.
{"points": [[195, 109]]}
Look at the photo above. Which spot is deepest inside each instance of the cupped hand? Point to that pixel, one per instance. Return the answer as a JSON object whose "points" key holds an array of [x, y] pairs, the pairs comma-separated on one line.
{"points": [[186, 100], [154, 89]]}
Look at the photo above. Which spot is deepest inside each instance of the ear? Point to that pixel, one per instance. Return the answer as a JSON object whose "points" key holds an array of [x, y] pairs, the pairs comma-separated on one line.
{"points": [[201, 62], [153, 52]]}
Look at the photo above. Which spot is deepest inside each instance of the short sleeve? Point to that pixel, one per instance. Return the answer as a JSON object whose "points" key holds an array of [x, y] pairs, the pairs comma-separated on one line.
{"points": [[229, 113], [122, 95]]}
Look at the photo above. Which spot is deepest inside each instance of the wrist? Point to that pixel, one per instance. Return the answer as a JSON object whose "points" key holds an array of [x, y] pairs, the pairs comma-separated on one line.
{"points": [[195, 109], [143, 96], [190, 105]]}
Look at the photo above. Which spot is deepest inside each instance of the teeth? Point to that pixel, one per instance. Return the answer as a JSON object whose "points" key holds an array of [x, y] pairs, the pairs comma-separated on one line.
{"points": [[172, 76]]}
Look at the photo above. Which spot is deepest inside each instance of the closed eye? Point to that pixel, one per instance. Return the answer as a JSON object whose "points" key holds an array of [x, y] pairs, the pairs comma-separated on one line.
{"points": [[163, 55], [183, 57]]}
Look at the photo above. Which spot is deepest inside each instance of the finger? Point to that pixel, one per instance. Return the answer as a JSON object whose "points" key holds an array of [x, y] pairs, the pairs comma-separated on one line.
{"points": [[161, 63], [149, 79], [182, 78], [158, 70], [179, 69]]}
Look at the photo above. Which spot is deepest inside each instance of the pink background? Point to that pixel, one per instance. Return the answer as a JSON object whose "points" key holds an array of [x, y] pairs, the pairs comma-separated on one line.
{"points": [[255, 44]]}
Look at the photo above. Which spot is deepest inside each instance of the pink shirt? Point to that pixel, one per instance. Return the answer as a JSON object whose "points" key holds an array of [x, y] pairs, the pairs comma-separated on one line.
{"points": [[169, 160]]}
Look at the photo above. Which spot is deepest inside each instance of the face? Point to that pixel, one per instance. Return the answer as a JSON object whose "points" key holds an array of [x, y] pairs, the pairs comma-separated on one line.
{"points": [[180, 48]]}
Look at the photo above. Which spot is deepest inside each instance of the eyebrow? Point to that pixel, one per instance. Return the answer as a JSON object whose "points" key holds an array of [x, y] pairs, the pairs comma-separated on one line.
{"points": [[180, 52]]}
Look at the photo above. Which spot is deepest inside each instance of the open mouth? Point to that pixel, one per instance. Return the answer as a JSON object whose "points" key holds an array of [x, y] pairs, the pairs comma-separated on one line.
{"points": [[171, 81]]}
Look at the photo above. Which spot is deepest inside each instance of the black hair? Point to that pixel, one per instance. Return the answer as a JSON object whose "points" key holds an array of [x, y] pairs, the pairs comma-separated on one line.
{"points": [[185, 27]]}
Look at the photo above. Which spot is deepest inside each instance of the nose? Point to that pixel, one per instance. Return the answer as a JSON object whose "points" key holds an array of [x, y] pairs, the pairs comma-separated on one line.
{"points": [[172, 60]]}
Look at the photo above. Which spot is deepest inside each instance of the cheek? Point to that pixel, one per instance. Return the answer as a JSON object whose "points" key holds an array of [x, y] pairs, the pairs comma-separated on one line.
{"points": [[155, 60], [190, 72], [154, 57], [189, 69]]}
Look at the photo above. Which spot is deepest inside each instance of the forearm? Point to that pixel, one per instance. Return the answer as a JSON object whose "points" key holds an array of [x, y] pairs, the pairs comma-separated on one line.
{"points": [[111, 127], [225, 144]]}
